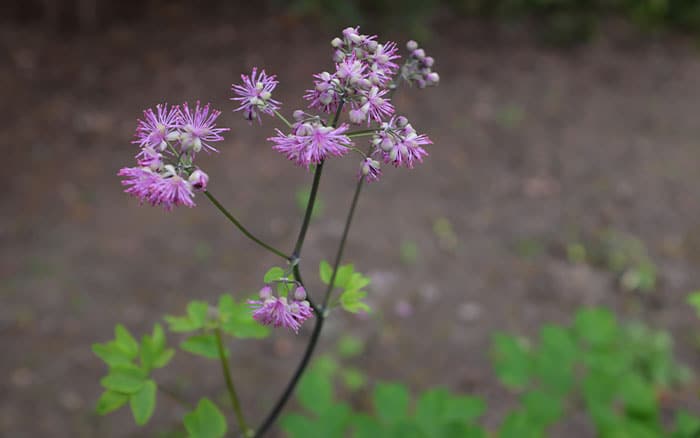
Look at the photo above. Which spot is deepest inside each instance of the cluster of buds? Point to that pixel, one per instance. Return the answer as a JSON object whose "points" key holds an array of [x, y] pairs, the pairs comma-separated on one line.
{"points": [[255, 95], [399, 144], [169, 139], [418, 68], [282, 311]]}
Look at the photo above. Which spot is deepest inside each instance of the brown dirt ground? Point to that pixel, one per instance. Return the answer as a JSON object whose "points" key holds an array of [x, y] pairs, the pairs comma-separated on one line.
{"points": [[530, 143]]}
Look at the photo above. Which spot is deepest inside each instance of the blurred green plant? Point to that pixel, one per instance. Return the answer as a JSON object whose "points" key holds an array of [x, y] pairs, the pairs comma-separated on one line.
{"points": [[617, 372], [302, 197]]}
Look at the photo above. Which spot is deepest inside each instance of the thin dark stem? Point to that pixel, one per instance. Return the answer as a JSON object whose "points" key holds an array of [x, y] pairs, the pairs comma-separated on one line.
{"points": [[247, 233], [307, 213], [341, 247], [297, 277], [310, 347], [281, 117], [362, 132], [229, 385]]}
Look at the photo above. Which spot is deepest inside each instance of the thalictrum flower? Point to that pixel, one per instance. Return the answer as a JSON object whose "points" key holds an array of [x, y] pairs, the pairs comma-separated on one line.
{"points": [[311, 142], [255, 95], [199, 128]]}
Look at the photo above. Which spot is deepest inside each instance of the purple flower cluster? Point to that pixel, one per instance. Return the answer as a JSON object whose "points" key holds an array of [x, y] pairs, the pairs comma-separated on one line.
{"points": [[289, 312], [399, 144], [255, 95], [418, 68], [311, 142], [169, 139]]}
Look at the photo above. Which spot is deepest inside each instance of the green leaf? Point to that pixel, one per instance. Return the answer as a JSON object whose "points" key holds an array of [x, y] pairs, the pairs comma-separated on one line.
{"points": [[125, 341], [463, 408], [351, 301], [542, 408], [158, 338], [272, 274], [638, 396], [143, 403], [512, 361], [519, 425], [315, 391], [353, 379], [237, 320], [554, 360], [111, 353], [686, 425], [350, 346], [164, 358], [430, 408], [694, 300], [202, 345], [334, 420], [298, 426], [343, 276], [390, 402], [197, 311], [206, 421], [357, 281], [325, 272], [110, 401], [181, 324], [124, 379], [596, 326], [365, 426]]}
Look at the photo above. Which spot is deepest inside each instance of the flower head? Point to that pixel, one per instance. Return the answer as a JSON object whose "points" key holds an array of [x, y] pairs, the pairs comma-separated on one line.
{"points": [[311, 142], [199, 128], [157, 127], [370, 170], [399, 143], [326, 94], [255, 95], [281, 311], [418, 68], [169, 140]]}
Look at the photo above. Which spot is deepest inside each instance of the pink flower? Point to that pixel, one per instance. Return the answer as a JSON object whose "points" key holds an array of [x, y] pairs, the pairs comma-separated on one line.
{"points": [[370, 170], [255, 95], [400, 144], [311, 142], [325, 95], [281, 311], [199, 129], [157, 127]]}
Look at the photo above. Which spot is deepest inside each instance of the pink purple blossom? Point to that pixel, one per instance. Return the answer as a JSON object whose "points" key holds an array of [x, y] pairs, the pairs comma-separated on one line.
{"points": [[312, 142], [370, 170], [198, 128], [288, 312], [399, 143], [255, 95], [169, 139]]}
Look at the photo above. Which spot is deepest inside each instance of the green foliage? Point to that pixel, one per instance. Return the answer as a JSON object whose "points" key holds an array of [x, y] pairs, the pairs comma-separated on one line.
{"points": [[409, 252], [435, 414], [351, 284], [694, 300], [206, 421], [129, 365], [610, 364]]}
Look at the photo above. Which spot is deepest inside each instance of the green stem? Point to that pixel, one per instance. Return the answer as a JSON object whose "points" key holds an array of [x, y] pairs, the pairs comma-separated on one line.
{"points": [[362, 132], [341, 247], [281, 117], [229, 385], [247, 233], [307, 214]]}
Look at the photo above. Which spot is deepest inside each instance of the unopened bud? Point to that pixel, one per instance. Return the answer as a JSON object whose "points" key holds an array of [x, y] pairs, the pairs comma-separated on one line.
{"points": [[298, 115], [432, 78], [401, 121], [197, 144], [387, 144], [265, 95], [429, 61], [199, 180], [419, 53], [337, 43], [371, 46], [299, 293], [265, 293], [411, 45], [357, 116]]}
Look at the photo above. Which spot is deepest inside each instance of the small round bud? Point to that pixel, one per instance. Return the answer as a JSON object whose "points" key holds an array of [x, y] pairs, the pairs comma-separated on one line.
{"points": [[298, 115], [355, 38], [394, 154], [432, 78], [401, 121], [349, 31], [337, 43], [325, 76], [387, 144], [357, 116], [429, 61], [265, 95], [197, 144], [411, 45], [371, 46], [299, 293], [305, 129], [325, 98], [175, 135], [265, 293], [338, 56], [199, 180], [419, 53]]}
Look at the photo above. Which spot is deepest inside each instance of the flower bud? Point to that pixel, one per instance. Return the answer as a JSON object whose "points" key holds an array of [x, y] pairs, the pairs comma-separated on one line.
{"points": [[299, 293], [172, 136], [265, 95], [401, 121], [419, 53], [387, 144], [357, 116], [197, 144], [371, 46], [199, 180], [338, 56], [265, 293], [304, 129], [432, 78], [411, 45], [298, 115], [337, 43], [429, 61]]}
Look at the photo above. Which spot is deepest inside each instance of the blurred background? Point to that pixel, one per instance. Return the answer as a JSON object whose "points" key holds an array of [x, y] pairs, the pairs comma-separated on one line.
{"points": [[566, 133]]}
